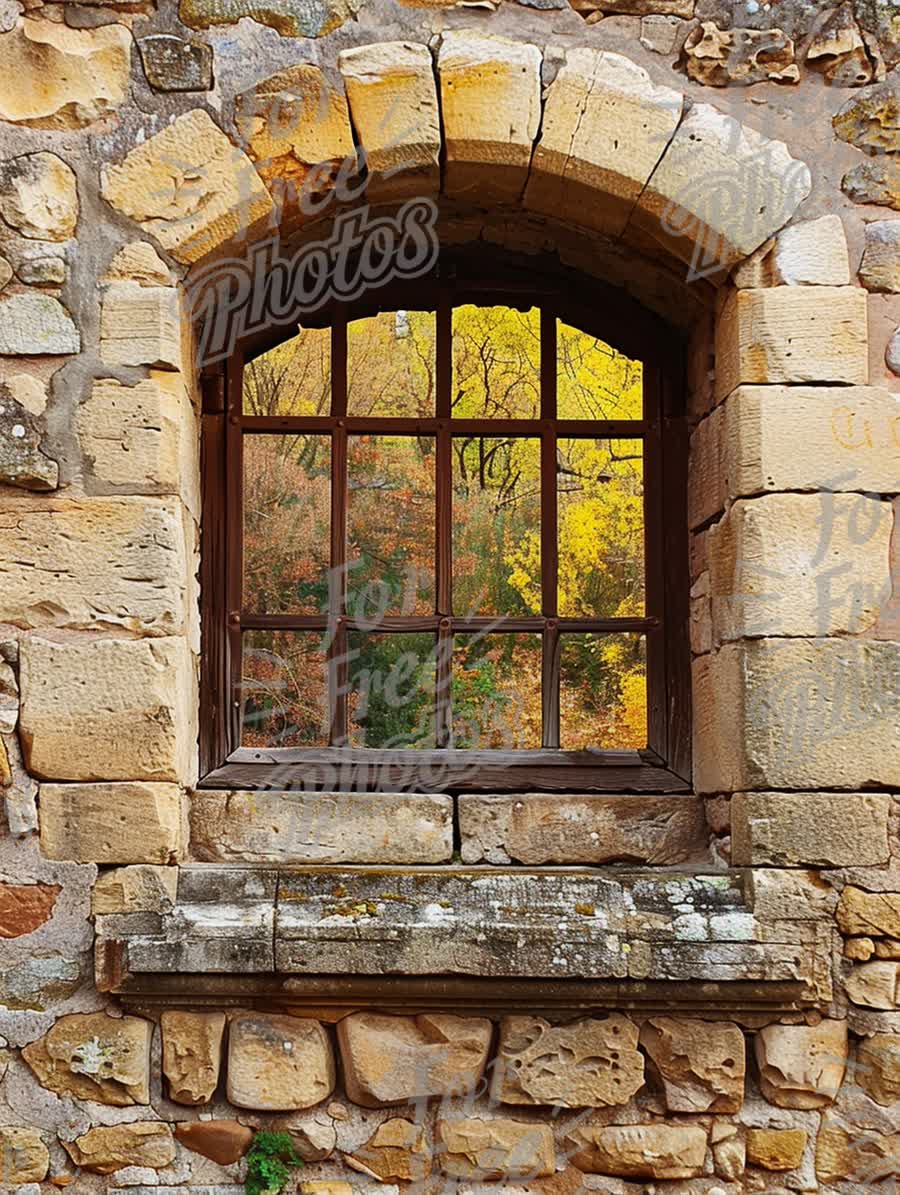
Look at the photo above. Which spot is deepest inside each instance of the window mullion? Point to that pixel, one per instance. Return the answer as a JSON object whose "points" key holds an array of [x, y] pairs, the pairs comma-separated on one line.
{"points": [[337, 586], [549, 544]]}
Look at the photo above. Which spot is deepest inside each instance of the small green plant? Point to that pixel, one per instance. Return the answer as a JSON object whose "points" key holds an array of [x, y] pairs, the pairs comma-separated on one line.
{"points": [[270, 1159]]}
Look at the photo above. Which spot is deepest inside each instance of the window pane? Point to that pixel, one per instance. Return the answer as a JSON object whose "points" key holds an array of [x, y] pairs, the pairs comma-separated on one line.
{"points": [[603, 692], [496, 692], [600, 528], [496, 526], [593, 380], [287, 517], [391, 690], [496, 363], [390, 364], [390, 553], [294, 378], [284, 691]]}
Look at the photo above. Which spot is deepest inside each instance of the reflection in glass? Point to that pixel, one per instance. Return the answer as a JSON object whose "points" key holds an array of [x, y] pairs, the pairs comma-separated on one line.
{"points": [[496, 363], [593, 380], [603, 692], [391, 690], [496, 692], [287, 513], [284, 692], [391, 364], [293, 378]]}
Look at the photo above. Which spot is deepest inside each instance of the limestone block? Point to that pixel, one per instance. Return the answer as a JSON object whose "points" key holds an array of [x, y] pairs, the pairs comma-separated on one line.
{"points": [[129, 822], [808, 253], [108, 709], [874, 180], [23, 463], [702, 201], [795, 713], [224, 1141], [292, 827], [89, 563], [535, 828], [639, 1150], [877, 1069], [25, 907], [719, 57], [141, 325], [393, 102], [700, 1064], [139, 262], [801, 1066], [291, 18], [874, 985], [880, 268], [873, 913], [39, 196], [391, 1060], [276, 1063], [663, 33], [55, 77], [775, 1149], [847, 1154], [33, 325], [93, 1056], [145, 1143], [485, 1149], [189, 187], [24, 1158], [491, 112], [539, 1063], [792, 334], [869, 119], [583, 169], [192, 1053], [142, 888], [810, 829], [396, 1152]]}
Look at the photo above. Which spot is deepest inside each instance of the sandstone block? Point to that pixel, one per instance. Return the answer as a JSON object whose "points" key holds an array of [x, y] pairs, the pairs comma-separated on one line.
{"points": [[139, 262], [141, 325], [93, 1056], [55, 77], [128, 822], [146, 1143], [314, 1138], [874, 180], [88, 563], [481, 1150], [729, 1151], [639, 1150], [878, 1068], [874, 985], [801, 1066], [880, 268], [776, 1149], [391, 1060], [36, 325], [876, 914], [25, 907], [396, 1152], [868, 120], [719, 57], [224, 1141], [189, 187], [173, 64], [583, 169], [811, 253], [393, 102], [846, 1154], [142, 888], [39, 196], [587, 1064], [192, 1054], [290, 18], [792, 334], [107, 709], [810, 829], [491, 111], [700, 1064], [277, 1063], [23, 463], [24, 1158]]}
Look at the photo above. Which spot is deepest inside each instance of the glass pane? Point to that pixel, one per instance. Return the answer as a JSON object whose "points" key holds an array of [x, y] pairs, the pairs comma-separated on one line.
{"points": [[390, 548], [496, 692], [391, 690], [390, 364], [294, 378], [593, 380], [496, 526], [602, 692], [284, 689], [287, 520], [600, 528], [496, 363]]}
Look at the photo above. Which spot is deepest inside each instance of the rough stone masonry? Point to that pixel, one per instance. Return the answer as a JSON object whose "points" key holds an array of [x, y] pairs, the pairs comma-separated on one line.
{"points": [[691, 994]]}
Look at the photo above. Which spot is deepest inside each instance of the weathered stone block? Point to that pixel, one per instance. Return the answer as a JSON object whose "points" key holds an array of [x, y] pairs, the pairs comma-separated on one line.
{"points": [[277, 1063], [873, 913], [139, 262], [776, 1149], [142, 888], [129, 822], [391, 1060], [856, 1158], [173, 64], [877, 1068], [874, 985], [36, 325], [291, 18], [145, 1143], [874, 180], [93, 1056], [742, 56], [94, 563], [39, 196], [700, 1064], [535, 828], [539, 1063], [809, 253], [868, 119], [801, 1066], [880, 268], [24, 1158], [189, 187], [810, 829], [23, 463], [291, 827], [141, 325], [108, 709], [223, 1141], [792, 334], [481, 1150], [396, 1152], [491, 112], [25, 907], [639, 1150], [192, 1052]]}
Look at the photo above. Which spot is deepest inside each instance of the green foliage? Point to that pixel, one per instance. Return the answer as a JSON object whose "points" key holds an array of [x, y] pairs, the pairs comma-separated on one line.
{"points": [[270, 1159]]}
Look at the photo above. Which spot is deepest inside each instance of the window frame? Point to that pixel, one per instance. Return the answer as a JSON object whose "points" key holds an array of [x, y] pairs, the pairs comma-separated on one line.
{"points": [[592, 307]]}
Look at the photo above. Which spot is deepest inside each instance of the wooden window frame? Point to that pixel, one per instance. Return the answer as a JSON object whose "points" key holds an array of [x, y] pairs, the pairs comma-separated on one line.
{"points": [[600, 311]]}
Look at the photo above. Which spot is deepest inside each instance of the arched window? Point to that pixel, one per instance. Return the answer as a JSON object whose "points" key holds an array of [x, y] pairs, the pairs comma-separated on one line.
{"points": [[445, 547]]}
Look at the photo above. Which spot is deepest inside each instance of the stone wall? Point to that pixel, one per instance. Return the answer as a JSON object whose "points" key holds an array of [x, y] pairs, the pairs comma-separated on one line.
{"points": [[704, 996]]}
